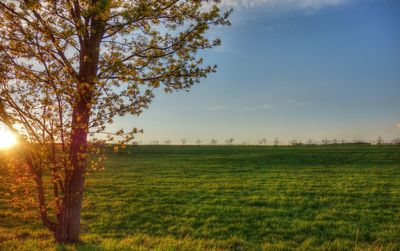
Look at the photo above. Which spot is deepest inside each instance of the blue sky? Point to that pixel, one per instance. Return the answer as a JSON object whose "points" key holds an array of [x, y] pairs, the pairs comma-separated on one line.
{"points": [[293, 70]]}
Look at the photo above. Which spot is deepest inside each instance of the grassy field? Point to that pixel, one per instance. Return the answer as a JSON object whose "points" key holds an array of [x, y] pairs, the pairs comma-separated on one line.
{"points": [[233, 198]]}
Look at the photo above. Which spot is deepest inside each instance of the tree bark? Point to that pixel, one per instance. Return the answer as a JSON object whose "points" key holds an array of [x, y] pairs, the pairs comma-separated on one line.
{"points": [[68, 227]]}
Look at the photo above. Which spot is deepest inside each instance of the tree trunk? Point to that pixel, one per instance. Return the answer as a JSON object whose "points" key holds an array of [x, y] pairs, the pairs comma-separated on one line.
{"points": [[68, 227]]}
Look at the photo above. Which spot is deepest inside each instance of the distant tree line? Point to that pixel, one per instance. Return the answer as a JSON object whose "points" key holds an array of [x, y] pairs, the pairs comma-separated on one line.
{"points": [[276, 142]]}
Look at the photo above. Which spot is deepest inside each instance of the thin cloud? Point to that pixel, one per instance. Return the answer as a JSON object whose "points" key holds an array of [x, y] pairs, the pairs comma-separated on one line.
{"points": [[398, 125], [283, 4], [247, 109], [275, 27], [214, 108], [297, 102], [267, 107]]}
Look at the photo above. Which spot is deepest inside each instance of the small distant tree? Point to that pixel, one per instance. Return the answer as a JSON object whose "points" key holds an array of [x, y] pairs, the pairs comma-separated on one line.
{"points": [[183, 141], [396, 141], [167, 142], [293, 142], [276, 141], [198, 142], [380, 141], [214, 142], [230, 141], [262, 141], [310, 142], [325, 141], [360, 142]]}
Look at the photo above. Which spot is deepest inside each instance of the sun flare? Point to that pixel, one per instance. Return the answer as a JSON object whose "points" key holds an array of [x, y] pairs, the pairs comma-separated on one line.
{"points": [[7, 139]]}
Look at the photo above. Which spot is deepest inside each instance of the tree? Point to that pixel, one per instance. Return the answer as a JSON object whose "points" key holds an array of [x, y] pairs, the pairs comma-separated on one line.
{"points": [[276, 141], [167, 142], [262, 141], [214, 142], [230, 141], [310, 142], [198, 142], [396, 141], [360, 142], [380, 141], [67, 68], [325, 141], [183, 141]]}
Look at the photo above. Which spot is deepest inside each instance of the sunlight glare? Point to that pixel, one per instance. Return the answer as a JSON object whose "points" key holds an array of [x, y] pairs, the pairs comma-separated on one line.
{"points": [[7, 139]]}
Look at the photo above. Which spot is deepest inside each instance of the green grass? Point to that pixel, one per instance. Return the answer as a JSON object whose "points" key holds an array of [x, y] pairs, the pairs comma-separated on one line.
{"points": [[233, 198]]}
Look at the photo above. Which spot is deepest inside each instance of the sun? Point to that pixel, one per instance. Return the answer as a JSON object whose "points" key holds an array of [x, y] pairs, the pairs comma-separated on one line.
{"points": [[7, 139]]}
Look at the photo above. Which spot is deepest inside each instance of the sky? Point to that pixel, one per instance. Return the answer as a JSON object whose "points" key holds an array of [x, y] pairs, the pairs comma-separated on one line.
{"points": [[292, 69]]}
